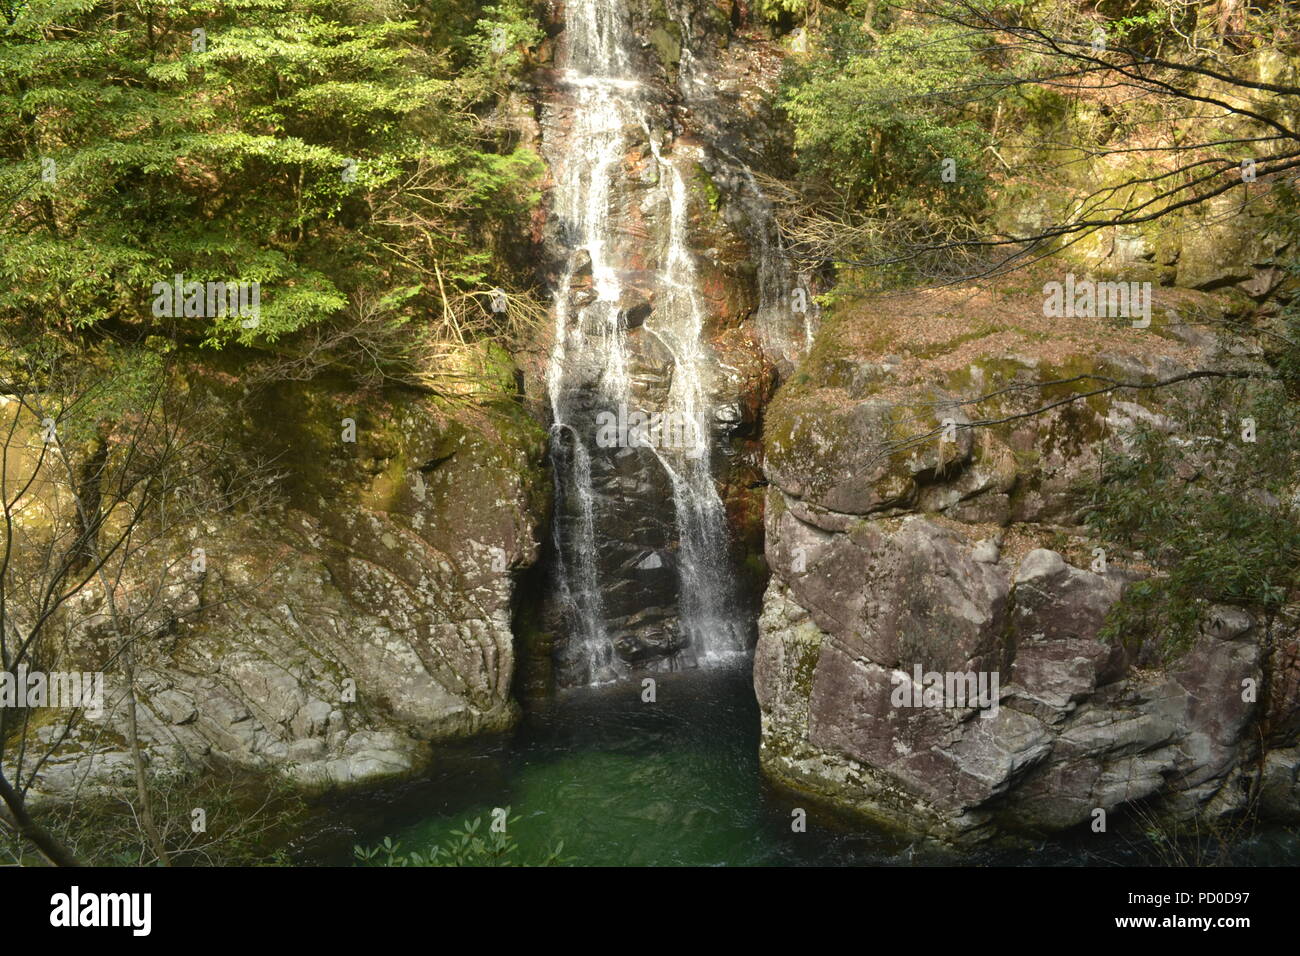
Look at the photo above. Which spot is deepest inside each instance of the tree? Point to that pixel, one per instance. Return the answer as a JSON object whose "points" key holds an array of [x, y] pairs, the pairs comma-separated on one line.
{"points": [[102, 466], [1172, 121], [320, 150]]}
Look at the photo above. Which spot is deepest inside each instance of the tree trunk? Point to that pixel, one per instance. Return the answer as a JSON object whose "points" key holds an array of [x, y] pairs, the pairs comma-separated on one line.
{"points": [[50, 846]]}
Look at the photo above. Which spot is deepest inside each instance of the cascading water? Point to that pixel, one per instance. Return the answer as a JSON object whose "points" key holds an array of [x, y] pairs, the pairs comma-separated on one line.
{"points": [[709, 616], [786, 325], [640, 532]]}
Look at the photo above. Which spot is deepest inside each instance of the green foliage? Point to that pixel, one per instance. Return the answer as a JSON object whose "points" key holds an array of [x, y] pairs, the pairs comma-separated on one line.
{"points": [[868, 126], [467, 847], [1217, 515], [1282, 345], [248, 822], [109, 384], [775, 11], [709, 188], [1213, 513], [225, 161], [1148, 25]]}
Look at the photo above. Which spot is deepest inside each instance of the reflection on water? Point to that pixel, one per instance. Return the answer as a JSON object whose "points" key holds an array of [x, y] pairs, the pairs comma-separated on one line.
{"points": [[675, 782]]}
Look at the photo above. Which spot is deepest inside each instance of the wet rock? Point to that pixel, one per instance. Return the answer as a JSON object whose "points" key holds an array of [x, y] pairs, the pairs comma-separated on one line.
{"points": [[580, 265], [1280, 788]]}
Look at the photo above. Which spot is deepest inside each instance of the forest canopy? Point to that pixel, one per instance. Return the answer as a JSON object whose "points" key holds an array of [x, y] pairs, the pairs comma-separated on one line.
{"points": [[342, 156]]}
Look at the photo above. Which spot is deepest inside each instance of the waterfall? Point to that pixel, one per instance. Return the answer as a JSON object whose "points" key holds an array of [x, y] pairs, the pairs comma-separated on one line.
{"points": [[642, 557], [709, 615], [786, 328]]}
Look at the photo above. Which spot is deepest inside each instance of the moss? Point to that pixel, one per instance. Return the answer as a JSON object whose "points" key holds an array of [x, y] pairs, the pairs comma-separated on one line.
{"points": [[665, 36], [806, 647], [936, 349], [534, 643], [704, 182], [33, 719]]}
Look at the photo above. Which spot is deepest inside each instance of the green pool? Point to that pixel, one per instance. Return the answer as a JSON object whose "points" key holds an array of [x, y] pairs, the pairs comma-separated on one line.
{"points": [[674, 782]]}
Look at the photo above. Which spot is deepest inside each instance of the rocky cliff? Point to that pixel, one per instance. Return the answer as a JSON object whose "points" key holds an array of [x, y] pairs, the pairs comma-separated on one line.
{"points": [[897, 554], [330, 636]]}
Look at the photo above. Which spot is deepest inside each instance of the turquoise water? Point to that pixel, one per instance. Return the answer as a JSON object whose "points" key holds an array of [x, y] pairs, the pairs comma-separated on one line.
{"points": [[674, 782]]}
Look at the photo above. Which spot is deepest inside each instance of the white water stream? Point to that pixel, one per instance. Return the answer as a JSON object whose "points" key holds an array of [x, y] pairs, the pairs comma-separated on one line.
{"points": [[611, 117]]}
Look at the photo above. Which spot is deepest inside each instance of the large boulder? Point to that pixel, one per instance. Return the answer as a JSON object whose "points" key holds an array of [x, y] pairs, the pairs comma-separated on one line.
{"points": [[1072, 728], [905, 546]]}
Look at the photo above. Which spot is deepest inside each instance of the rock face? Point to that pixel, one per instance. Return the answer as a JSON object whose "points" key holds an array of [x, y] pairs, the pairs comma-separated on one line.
{"points": [[366, 614], [1072, 729], [895, 560]]}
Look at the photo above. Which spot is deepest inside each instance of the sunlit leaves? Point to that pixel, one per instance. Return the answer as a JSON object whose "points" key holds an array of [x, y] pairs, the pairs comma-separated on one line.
{"points": [[225, 163]]}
